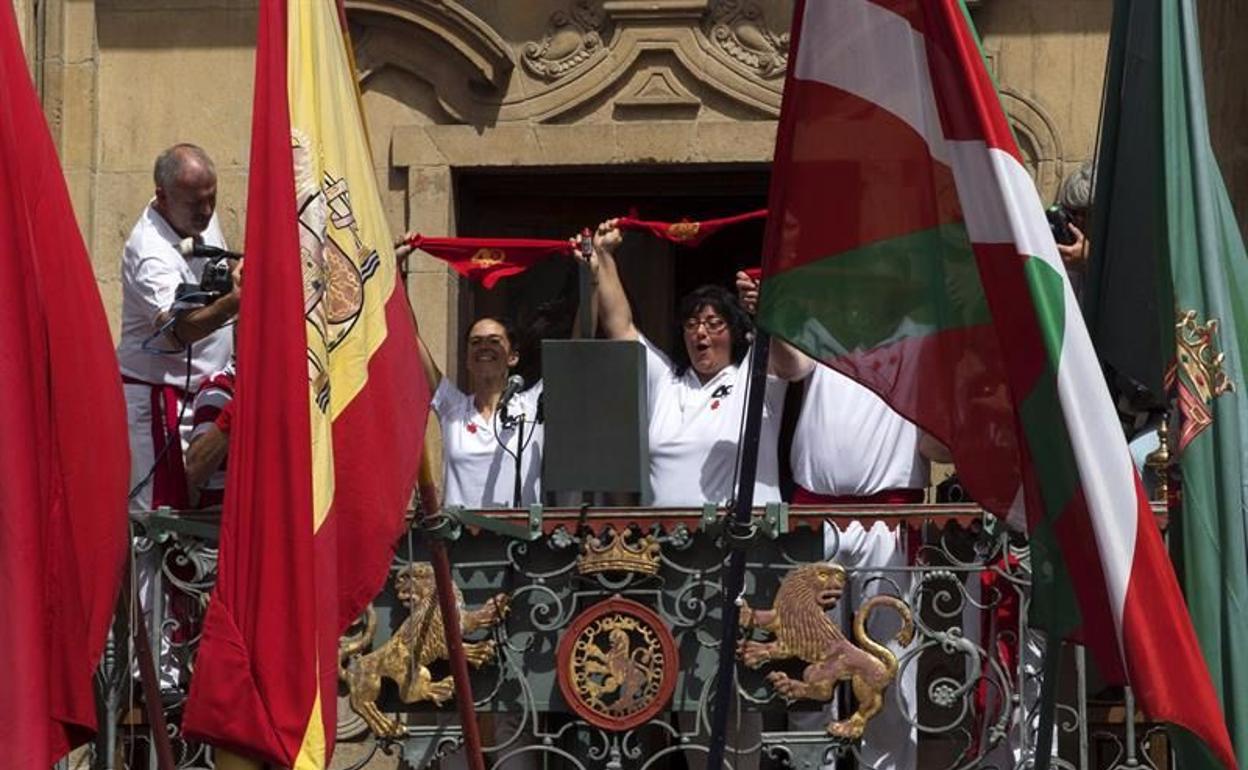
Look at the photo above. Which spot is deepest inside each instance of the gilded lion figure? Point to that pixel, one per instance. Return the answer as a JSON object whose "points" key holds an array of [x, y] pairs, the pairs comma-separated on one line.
{"points": [[405, 657], [802, 630]]}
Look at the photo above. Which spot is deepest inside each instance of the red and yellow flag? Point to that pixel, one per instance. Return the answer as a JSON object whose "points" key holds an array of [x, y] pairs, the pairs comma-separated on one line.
{"points": [[62, 442], [331, 406]]}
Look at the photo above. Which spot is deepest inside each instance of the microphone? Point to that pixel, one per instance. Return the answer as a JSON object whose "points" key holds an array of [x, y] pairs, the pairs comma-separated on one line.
{"points": [[515, 383], [188, 247]]}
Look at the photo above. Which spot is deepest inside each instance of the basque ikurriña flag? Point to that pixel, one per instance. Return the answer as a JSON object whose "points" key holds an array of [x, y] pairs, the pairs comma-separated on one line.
{"points": [[907, 247], [63, 445], [331, 406]]}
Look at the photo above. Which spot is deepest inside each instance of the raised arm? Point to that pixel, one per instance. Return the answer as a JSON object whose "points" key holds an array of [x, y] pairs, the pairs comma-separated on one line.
{"points": [[433, 375], [585, 305], [784, 361], [615, 315]]}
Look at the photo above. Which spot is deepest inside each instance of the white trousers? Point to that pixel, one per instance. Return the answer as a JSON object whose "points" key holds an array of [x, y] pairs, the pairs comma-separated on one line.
{"points": [[139, 418]]}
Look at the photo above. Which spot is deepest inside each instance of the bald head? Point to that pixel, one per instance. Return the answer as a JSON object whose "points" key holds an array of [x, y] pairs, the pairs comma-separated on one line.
{"points": [[182, 160], [186, 188]]}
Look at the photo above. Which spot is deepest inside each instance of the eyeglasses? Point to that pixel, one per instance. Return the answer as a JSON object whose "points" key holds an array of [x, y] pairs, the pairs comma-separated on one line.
{"points": [[713, 324]]}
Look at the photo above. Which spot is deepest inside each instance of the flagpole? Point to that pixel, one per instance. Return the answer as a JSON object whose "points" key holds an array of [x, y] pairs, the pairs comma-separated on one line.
{"points": [[161, 742], [450, 620], [1043, 748], [736, 536]]}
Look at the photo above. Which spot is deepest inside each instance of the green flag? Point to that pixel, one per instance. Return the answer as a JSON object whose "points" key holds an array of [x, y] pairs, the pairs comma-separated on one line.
{"points": [[1167, 291]]}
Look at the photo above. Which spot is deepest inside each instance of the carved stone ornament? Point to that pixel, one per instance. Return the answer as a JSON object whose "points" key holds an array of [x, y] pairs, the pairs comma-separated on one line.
{"points": [[573, 39], [656, 93], [406, 656], [801, 629], [739, 28], [617, 665]]}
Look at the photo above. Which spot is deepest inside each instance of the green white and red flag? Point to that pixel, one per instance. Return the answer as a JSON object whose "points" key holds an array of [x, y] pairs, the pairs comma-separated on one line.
{"points": [[907, 247], [331, 407]]}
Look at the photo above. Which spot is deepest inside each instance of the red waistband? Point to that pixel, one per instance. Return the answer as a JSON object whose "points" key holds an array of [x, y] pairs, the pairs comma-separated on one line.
{"points": [[128, 380], [883, 497]]}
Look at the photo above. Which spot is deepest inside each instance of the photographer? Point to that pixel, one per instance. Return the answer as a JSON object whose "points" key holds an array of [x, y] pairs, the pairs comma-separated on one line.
{"points": [[1069, 218], [170, 344]]}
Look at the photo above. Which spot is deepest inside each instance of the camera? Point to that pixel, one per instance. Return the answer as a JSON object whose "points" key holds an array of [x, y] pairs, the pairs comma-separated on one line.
{"points": [[215, 278], [214, 282], [951, 491], [1059, 222]]}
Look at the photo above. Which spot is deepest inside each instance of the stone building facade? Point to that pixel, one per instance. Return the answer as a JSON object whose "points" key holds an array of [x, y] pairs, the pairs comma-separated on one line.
{"points": [[503, 117]]}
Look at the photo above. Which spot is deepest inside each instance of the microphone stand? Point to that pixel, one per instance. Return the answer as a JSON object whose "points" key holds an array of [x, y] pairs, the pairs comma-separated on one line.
{"points": [[507, 421], [516, 488]]}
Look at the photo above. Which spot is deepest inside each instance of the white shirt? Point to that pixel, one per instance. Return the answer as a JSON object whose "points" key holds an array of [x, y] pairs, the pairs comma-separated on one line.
{"points": [[848, 441], [151, 269], [477, 473], [694, 428]]}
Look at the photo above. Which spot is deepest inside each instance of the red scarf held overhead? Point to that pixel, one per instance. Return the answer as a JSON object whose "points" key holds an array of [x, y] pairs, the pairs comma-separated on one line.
{"points": [[489, 260], [688, 233]]}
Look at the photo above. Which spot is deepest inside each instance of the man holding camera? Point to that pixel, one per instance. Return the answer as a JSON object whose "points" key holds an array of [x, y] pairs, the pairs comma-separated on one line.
{"points": [[175, 310], [1068, 218]]}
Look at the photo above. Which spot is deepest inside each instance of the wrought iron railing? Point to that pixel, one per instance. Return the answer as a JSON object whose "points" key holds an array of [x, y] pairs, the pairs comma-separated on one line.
{"points": [[965, 693]]}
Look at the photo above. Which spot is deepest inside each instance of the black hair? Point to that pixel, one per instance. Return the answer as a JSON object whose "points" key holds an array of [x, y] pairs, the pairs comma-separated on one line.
{"points": [[726, 304], [509, 328]]}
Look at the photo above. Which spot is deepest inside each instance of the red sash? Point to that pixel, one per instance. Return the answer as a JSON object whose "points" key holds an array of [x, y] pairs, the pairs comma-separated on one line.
{"points": [[169, 473], [802, 496]]}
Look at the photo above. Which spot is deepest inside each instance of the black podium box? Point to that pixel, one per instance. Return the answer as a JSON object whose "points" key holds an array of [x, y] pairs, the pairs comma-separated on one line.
{"points": [[596, 418]]}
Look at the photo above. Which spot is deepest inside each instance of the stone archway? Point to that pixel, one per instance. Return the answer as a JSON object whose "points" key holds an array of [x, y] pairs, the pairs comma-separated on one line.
{"points": [[1038, 140]]}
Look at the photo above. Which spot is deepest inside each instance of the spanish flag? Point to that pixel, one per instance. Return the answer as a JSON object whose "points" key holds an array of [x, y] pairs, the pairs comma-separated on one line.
{"points": [[331, 406]]}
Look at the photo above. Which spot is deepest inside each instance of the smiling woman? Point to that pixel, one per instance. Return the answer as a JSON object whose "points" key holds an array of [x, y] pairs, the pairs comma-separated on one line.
{"points": [[487, 426]]}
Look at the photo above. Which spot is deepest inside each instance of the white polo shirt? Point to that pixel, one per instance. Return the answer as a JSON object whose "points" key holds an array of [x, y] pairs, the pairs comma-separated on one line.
{"points": [[848, 441], [151, 269], [694, 428], [477, 472]]}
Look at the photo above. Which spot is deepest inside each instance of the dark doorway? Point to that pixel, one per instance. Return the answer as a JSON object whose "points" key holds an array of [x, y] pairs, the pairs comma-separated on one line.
{"points": [[556, 203]]}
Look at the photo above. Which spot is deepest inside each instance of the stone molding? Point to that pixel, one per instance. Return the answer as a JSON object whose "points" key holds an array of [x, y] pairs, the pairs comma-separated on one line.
{"points": [[484, 51], [441, 148], [655, 93], [638, 57], [1038, 138]]}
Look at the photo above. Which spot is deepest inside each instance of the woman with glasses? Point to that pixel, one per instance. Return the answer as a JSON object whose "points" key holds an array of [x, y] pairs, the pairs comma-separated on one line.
{"points": [[696, 397]]}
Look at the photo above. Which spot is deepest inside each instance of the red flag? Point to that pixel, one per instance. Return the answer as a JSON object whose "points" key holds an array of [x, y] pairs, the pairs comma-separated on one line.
{"points": [[489, 260], [688, 233], [66, 459], [331, 407]]}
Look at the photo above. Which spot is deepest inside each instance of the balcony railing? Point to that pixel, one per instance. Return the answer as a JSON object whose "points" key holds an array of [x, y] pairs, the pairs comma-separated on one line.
{"points": [[965, 694]]}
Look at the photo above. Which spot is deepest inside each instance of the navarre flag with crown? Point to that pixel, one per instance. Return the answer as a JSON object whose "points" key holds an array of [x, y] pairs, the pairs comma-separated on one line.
{"points": [[331, 406], [907, 247]]}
